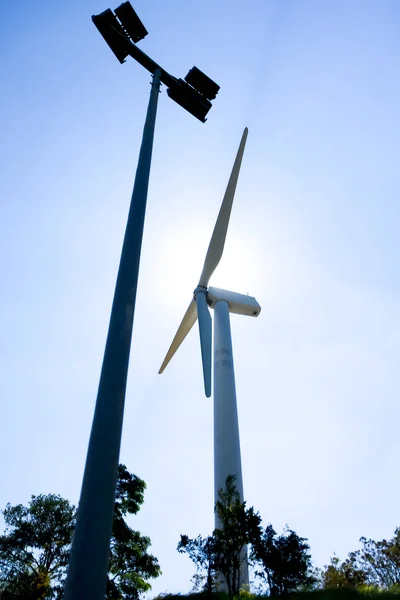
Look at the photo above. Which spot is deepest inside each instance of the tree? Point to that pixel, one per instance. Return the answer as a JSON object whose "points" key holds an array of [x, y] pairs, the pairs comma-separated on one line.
{"points": [[130, 563], [223, 554], [284, 559], [339, 575], [380, 561], [238, 527], [375, 565], [34, 548], [201, 551]]}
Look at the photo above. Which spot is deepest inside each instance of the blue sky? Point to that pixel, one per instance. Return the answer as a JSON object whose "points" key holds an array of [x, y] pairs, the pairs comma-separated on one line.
{"points": [[313, 236]]}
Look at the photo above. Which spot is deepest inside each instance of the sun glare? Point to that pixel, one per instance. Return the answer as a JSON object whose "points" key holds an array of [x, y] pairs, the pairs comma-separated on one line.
{"points": [[183, 256]]}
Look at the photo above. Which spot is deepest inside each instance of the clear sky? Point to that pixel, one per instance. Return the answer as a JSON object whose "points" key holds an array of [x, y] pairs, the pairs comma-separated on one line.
{"points": [[313, 236]]}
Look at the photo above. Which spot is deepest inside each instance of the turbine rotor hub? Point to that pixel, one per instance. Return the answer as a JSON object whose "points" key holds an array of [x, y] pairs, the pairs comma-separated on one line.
{"points": [[200, 289]]}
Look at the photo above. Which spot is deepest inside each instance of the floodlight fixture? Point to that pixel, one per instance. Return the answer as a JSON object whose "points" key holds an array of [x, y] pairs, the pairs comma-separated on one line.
{"points": [[203, 84], [124, 29], [113, 33], [131, 22], [189, 98]]}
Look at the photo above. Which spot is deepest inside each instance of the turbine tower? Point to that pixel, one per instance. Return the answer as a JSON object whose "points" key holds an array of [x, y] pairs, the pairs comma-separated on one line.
{"points": [[227, 460]]}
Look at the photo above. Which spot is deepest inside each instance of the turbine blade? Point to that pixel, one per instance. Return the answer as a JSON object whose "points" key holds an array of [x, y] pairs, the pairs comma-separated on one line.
{"points": [[186, 325], [203, 314], [217, 242]]}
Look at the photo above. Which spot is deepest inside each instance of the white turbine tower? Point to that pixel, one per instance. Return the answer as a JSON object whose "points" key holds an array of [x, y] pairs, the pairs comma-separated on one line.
{"points": [[227, 459]]}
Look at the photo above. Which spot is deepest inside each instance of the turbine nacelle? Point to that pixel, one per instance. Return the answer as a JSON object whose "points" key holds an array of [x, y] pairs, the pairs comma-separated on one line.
{"points": [[239, 304]]}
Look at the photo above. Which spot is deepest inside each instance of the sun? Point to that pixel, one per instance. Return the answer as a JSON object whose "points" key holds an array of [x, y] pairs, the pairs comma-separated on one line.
{"points": [[181, 261]]}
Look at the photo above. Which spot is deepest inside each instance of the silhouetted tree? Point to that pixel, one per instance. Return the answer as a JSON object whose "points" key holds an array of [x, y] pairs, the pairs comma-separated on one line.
{"points": [[131, 566], [238, 527], [380, 560], [224, 553], [375, 565], [284, 559], [201, 551], [34, 549], [339, 575]]}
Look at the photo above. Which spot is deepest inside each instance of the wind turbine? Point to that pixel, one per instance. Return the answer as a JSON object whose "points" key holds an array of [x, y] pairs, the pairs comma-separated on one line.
{"points": [[227, 460]]}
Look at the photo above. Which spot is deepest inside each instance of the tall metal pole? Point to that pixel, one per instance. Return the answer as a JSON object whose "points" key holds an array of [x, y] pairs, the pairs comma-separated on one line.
{"points": [[227, 459], [88, 566]]}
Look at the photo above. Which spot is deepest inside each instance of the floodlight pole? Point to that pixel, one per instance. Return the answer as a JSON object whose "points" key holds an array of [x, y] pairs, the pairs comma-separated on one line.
{"points": [[90, 552]]}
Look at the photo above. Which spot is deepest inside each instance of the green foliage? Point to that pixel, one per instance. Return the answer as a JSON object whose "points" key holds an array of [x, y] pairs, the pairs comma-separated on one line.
{"points": [[34, 548], [285, 561], [223, 554], [130, 563], [339, 575], [129, 495], [344, 594], [380, 561], [245, 594], [238, 526], [201, 551], [376, 566], [330, 594]]}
